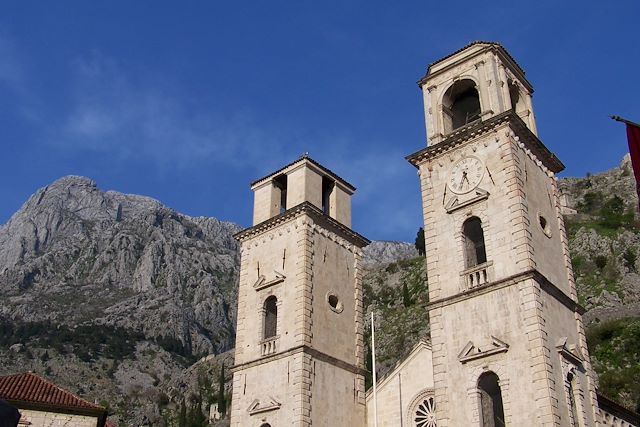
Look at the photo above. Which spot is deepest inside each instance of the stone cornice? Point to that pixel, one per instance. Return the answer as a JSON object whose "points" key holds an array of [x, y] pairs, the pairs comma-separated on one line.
{"points": [[545, 284], [476, 129], [315, 213], [316, 354]]}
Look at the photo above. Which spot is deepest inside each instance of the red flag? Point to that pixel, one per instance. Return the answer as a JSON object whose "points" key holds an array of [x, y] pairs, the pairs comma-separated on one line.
{"points": [[633, 138]]}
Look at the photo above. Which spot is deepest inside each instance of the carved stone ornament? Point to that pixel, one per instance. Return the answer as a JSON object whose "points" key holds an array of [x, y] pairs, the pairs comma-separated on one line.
{"points": [[262, 283], [458, 202], [569, 352], [471, 352], [258, 407]]}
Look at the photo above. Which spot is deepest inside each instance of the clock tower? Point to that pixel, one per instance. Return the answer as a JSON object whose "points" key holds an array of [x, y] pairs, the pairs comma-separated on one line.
{"points": [[506, 327]]}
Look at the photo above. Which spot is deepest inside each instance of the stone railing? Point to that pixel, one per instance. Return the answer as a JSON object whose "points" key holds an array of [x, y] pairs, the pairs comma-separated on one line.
{"points": [[269, 346], [477, 275]]}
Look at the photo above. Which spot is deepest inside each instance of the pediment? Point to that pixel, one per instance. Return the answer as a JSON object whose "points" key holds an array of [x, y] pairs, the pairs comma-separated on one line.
{"points": [[569, 352], [472, 352], [459, 202], [262, 282], [258, 406]]}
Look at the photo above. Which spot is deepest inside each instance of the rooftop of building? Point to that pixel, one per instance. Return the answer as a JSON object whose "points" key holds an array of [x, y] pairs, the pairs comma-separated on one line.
{"points": [[31, 388]]}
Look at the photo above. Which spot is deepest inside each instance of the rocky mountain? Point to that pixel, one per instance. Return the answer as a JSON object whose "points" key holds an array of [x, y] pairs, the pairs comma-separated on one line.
{"points": [[604, 239], [113, 295], [384, 252], [74, 255]]}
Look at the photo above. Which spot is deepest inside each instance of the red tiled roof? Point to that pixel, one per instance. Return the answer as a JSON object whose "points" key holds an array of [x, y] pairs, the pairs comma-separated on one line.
{"points": [[29, 387]]}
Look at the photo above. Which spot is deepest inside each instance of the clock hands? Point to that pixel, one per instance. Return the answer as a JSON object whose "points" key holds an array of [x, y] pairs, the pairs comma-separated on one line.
{"points": [[463, 179]]}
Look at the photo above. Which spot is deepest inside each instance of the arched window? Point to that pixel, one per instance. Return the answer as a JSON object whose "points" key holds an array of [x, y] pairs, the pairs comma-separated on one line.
{"points": [[474, 250], [266, 425], [573, 408], [492, 412], [270, 317], [461, 105]]}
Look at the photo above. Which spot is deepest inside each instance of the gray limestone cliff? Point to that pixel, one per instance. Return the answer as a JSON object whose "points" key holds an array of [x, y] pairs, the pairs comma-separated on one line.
{"points": [[76, 255]]}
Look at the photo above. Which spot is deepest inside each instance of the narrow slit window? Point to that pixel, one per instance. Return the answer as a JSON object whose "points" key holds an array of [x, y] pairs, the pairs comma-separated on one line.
{"points": [[573, 407]]}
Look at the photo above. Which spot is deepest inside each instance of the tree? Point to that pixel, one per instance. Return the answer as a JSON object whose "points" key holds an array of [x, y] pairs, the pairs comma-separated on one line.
{"points": [[368, 377], [420, 241], [182, 416], [196, 417], [222, 404], [406, 296]]}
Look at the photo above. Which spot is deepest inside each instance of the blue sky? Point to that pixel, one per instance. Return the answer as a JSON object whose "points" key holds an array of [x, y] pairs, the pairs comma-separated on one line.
{"points": [[188, 102]]}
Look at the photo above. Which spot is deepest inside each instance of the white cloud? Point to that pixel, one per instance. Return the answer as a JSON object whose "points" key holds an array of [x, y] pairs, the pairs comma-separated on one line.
{"points": [[111, 115]]}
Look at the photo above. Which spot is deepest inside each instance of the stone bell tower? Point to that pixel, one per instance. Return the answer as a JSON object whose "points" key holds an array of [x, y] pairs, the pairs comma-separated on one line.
{"points": [[506, 327], [299, 348]]}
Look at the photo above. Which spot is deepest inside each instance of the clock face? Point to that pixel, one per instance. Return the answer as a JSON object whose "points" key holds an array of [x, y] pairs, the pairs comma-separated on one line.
{"points": [[465, 175]]}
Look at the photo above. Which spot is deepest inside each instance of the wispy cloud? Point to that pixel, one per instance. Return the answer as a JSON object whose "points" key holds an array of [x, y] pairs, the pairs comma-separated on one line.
{"points": [[10, 65], [110, 114]]}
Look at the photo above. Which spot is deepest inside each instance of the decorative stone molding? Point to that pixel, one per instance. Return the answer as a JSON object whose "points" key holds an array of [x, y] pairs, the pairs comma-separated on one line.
{"points": [[570, 353], [472, 130], [454, 203], [471, 352], [258, 407], [314, 213], [262, 283]]}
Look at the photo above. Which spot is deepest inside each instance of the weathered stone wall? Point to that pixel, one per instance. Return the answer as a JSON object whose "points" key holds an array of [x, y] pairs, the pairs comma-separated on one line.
{"points": [[54, 419]]}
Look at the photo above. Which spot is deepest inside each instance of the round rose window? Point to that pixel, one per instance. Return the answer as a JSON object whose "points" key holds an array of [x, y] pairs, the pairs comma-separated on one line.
{"points": [[426, 413]]}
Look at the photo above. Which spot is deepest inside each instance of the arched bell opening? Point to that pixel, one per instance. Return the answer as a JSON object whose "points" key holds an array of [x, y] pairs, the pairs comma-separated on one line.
{"points": [[460, 105]]}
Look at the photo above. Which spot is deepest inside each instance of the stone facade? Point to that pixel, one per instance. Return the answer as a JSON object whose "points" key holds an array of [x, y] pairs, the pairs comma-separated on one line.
{"points": [[515, 312], [307, 368], [43, 418]]}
